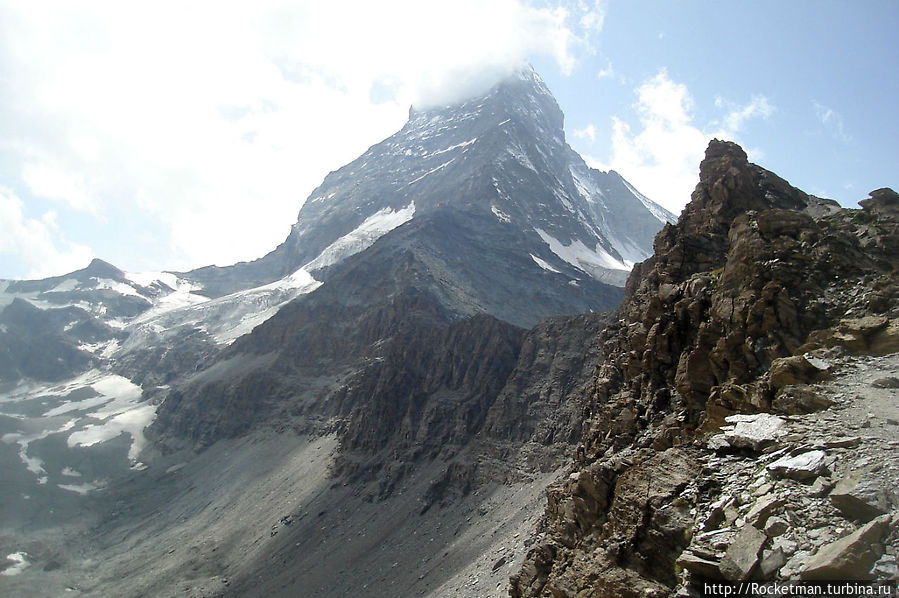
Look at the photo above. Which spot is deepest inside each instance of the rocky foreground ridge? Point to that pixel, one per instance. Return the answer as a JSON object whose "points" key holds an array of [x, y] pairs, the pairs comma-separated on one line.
{"points": [[714, 446]]}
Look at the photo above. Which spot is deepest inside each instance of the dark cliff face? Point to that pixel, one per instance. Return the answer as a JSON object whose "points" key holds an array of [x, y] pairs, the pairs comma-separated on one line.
{"points": [[754, 273]]}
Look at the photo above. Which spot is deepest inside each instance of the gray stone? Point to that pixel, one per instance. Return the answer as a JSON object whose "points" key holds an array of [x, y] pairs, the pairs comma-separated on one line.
{"points": [[762, 509], [805, 466], [888, 382], [772, 560], [753, 431], [848, 442], [718, 443], [820, 487], [850, 557], [742, 555], [861, 496], [699, 565], [775, 527]]}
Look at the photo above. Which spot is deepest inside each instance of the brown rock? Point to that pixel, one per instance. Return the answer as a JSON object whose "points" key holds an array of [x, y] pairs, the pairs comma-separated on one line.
{"points": [[799, 399], [850, 557], [793, 370]]}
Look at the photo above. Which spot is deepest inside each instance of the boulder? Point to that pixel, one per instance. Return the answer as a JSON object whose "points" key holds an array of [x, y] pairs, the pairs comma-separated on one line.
{"points": [[753, 431], [887, 382], [742, 555], [698, 565], [850, 557], [787, 371], [798, 399], [772, 560], [802, 467], [861, 496]]}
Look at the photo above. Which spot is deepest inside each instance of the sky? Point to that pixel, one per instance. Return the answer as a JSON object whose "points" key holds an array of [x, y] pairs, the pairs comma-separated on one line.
{"points": [[172, 135]]}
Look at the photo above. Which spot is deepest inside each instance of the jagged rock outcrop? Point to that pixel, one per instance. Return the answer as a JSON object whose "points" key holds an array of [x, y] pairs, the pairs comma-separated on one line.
{"points": [[755, 275]]}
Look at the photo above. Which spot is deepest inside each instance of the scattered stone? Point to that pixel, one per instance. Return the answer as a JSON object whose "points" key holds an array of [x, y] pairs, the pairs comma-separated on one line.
{"points": [[499, 563], [888, 382], [718, 443], [803, 467], [850, 557], [772, 560], [753, 431], [861, 496], [799, 399], [788, 546], [820, 487], [743, 554], [762, 490], [775, 527], [698, 565], [848, 442], [762, 509]]}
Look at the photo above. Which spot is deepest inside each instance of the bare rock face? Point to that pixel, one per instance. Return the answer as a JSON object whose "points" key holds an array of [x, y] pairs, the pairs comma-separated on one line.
{"points": [[732, 314]]}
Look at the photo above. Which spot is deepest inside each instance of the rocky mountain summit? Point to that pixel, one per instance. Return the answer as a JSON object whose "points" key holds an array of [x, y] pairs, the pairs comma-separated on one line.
{"points": [[713, 446]]}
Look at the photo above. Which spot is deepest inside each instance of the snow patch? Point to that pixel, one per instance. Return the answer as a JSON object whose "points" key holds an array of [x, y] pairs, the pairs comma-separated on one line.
{"points": [[500, 215], [71, 473], [364, 236], [660, 213], [119, 287], [452, 147], [586, 187], [432, 171], [19, 562], [133, 421], [543, 264], [66, 286], [148, 279], [81, 489], [595, 262]]}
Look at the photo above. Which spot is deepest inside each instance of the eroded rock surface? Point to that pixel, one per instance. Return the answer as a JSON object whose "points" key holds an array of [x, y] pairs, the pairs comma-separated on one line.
{"points": [[755, 302]]}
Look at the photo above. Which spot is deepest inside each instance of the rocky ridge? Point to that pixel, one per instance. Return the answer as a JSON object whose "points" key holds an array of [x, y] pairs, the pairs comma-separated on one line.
{"points": [[727, 322]]}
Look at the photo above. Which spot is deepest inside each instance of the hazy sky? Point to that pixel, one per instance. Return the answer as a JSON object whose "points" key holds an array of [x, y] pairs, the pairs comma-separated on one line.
{"points": [[170, 135]]}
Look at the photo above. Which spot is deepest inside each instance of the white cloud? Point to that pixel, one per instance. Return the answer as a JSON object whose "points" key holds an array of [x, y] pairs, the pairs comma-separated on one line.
{"points": [[832, 120], [606, 71], [37, 243], [217, 120], [661, 157], [588, 132], [758, 107]]}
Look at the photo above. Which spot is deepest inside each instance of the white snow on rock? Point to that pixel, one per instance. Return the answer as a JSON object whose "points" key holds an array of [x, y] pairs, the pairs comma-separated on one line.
{"points": [[660, 213], [81, 489], [501, 216], [592, 261], [586, 186], [543, 264], [19, 562], [69, 284], [363, 236]]}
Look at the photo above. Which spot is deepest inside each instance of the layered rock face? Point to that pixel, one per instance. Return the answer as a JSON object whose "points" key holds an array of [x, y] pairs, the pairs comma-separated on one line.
{"points": [[755, 282]]}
